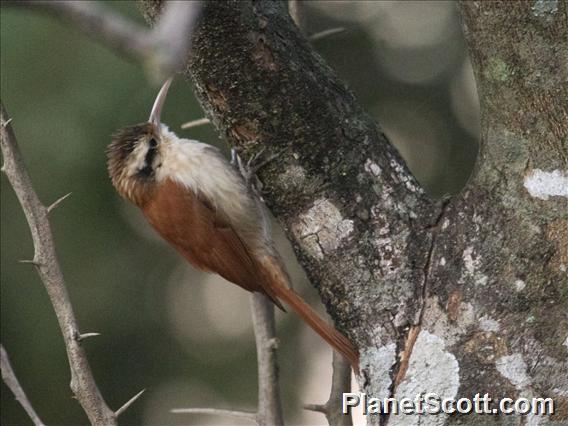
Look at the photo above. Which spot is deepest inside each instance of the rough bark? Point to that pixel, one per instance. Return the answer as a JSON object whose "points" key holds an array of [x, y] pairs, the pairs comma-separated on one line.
{"points": [[460, 297]]}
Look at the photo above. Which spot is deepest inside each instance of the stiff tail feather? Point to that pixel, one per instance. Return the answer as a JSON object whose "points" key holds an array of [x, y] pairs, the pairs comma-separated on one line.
{"points": [[333, 337]]}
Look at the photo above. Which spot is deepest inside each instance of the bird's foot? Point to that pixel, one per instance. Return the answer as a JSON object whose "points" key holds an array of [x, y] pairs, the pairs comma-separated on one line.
{"points": [[249, 169]]}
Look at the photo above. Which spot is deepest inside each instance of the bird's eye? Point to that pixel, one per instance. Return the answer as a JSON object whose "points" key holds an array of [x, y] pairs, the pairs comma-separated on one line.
{"points": [[153, 143]]}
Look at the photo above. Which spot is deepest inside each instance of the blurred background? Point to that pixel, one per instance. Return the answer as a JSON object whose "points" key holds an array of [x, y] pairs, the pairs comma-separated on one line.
{"points": [[184, 336]]}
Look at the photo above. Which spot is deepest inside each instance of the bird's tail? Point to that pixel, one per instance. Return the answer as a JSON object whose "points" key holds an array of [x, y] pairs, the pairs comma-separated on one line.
{"points": [[333, 337]]}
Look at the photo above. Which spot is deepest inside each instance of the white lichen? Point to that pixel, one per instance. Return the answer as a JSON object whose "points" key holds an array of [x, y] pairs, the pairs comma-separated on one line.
{"points": [[293, 177], [488, 324], [545, 9], [437, 322], [471, 262], [378, 363], [542, 185], [520, 285], [372, 168], [431, 369], [514, 368], [481, 279], [443, 261], [322, 228]]}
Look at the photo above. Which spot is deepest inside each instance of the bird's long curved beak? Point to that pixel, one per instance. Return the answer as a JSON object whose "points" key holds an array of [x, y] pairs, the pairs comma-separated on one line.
{"points": [[159, 103]]}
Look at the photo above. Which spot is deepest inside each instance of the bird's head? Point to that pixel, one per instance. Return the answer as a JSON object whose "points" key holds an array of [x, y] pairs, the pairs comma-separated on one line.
{"points": [[133, 156]]}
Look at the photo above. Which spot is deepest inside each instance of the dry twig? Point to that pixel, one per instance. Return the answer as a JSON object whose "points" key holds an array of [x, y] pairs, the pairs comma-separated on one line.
{"points": [[295, 9], [195, 123], [9, 377], [341, 383], [326, 33], [163, 50], [269, 401], [45, 260], [269, 412]]}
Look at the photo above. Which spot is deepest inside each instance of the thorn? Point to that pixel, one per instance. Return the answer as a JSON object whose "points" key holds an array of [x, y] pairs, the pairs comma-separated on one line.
{"points": [[217, 412], [316, 407], [57, 202], [84, 336], [5, 123], [32, 262], [129, 403], [3, 168], [195, 123], [327, 33]]}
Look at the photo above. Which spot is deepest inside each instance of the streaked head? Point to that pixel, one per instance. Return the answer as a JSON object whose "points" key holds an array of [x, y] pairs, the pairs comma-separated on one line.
{"points": [[133, 156]]}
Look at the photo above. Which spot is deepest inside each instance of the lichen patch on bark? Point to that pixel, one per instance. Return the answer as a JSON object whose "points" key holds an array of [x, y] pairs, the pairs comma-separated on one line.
{"points": [[514, 368], [437, 321], [486, 323], [294, 177], [376, 364], [322, 229], [545, 9], [432, 369], [472, 262], [543, 185], [373, 168]]}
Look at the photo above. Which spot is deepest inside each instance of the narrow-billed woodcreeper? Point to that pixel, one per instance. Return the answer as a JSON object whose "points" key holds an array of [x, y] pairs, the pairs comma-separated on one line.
{"points": [[201, 205]]}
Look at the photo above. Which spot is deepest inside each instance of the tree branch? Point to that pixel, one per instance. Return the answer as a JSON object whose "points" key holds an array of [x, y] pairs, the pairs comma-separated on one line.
{"points": [[341, 383], [9, 377], [162, 50], [171, 38], [45, 260], [359, 222], [269, 401], [99, 23], [296, 11]]}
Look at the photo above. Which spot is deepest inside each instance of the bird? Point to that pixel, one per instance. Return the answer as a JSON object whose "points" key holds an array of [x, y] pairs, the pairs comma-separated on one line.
{"points": [[203, 207]]}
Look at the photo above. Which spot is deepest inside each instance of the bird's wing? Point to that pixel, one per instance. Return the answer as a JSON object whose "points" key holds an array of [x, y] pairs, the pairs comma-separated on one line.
{"points": [[204, 237], [210, 243]]}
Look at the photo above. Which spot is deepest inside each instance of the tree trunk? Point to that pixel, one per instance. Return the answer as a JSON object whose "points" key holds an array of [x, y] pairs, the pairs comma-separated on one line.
{"points": [[458, 297]]}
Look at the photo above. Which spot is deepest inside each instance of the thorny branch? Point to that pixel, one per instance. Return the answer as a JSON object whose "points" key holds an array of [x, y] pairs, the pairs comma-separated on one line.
{"points": [[9, 377], [162, 50], [269, 401], [45, 260], [341, 383], [269, 410]]}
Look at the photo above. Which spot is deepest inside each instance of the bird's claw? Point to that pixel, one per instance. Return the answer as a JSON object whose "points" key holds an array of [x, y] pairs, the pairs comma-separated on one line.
{"points": [[249, 169], [257, 162]]}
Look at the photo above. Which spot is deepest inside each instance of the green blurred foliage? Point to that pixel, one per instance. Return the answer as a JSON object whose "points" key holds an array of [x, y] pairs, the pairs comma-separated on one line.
{"points": [[67, 95]]}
